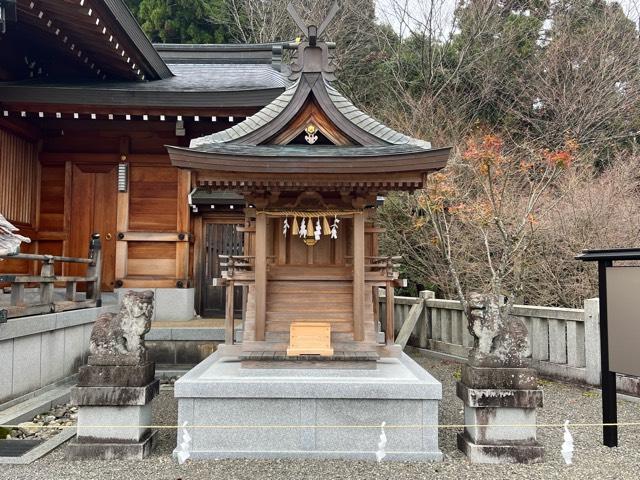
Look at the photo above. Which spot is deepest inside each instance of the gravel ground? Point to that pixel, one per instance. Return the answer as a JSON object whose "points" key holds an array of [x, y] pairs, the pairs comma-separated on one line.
{"points": [[579, 405]]}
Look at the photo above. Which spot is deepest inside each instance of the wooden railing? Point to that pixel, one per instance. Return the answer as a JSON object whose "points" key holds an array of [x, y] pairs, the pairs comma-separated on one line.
{"points": [[239, 270], [385, 264], [235, 263], [19, 304]]}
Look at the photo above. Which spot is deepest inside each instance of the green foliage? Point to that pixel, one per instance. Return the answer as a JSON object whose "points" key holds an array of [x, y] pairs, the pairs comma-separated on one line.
{"points": [[182, 21]]}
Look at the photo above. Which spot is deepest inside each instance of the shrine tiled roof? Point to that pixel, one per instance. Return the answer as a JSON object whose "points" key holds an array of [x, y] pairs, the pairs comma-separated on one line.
{"points": [[270, 112], [301, 151], [193, 85], [369, 124], [310, 136], [250, 124]]}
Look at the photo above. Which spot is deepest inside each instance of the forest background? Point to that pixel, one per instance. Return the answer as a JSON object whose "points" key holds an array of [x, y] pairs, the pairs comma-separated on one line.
{"points": [[527, 92]]}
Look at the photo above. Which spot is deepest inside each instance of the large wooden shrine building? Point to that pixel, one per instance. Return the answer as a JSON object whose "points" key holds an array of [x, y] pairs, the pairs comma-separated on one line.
{"points": [[270, 181]]}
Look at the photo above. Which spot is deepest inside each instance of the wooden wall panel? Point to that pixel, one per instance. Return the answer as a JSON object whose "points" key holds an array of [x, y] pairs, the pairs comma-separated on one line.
{"points": [[151, 250], [102, 136], [153, 192], [18, 178], [52, 187], [322, 251], [156, 259]]}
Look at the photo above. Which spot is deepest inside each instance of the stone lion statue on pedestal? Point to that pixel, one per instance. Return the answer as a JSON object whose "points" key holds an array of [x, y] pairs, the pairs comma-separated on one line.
{"points": [[500, 340], [123, 333]]}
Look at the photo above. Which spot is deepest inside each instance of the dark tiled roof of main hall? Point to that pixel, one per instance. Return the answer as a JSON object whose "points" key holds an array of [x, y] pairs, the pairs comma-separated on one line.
{"points": [[194, 85]]}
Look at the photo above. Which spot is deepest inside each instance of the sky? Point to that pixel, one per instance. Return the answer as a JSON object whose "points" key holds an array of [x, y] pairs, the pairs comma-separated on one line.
{"points": [[416, 12]]}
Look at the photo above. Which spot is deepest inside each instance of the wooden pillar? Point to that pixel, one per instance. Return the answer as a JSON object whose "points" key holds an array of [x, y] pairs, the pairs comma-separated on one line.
{"points": [[17, 295], [376, 306], [95, 270], [46, 288], [390, 323], [261, 275], [122, 226], [228, 318], [198, 262], [122, 215], [358, 277], [182, 247], [66, 221]]}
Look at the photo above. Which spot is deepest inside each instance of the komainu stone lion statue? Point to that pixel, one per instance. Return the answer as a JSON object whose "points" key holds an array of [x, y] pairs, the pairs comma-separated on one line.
{"points": [[500, 340], [9, 240], [123, 333]]}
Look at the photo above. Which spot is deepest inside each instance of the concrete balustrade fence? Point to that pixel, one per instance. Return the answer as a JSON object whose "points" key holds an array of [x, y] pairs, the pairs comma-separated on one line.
{"points": [[564, 342]]}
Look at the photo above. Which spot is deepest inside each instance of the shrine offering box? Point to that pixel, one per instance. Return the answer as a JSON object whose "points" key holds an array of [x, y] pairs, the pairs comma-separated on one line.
{"points": [[310, 338]]}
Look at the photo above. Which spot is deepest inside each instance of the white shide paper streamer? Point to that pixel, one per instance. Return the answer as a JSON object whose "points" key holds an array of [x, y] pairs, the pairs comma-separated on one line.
{"points": [[380, 453], [183, 450], [567, 445]]}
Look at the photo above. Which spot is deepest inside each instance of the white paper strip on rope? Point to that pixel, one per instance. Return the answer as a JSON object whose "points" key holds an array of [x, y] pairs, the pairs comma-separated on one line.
{"points": [[382, 444], [303, 224], [183, 452], [567, 445]]}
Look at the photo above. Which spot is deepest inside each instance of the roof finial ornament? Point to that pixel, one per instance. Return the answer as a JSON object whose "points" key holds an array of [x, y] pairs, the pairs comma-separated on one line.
{"points": [[312, 55]]}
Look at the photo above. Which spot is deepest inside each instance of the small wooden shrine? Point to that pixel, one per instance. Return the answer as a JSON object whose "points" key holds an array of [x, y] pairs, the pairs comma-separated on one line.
{"points": [[311, 167]]}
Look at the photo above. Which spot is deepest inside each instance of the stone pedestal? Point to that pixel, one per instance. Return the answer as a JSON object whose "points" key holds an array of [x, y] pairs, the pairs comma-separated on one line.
{"points": [[309, 413], [114, 409], [500, 404]]}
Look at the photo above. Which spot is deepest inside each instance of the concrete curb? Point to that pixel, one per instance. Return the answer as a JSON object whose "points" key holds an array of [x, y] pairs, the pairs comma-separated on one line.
{"points": [[42, 449]]}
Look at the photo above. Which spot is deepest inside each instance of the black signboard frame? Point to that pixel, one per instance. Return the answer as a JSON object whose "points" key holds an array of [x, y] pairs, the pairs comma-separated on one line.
{"points": [[605, 259]]}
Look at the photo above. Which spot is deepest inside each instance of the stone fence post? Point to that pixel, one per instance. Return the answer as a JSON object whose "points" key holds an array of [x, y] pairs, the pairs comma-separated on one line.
{"points": [[592, 340], [425, 319]]}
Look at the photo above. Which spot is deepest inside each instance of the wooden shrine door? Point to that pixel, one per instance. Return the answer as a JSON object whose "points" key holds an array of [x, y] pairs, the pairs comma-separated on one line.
{"points": [[94, 193], [220, 238]]}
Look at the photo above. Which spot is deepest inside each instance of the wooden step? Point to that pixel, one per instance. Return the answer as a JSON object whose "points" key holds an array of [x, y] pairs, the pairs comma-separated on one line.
{"points": [[285, 326], [338, 356], [342, 346], [321, 301], [305, 287], [283, 337], [309, 310], [302, 315]]}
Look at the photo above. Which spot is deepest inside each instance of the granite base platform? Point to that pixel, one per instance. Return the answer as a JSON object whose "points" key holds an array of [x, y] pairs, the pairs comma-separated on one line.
{"points": [[309, 413], [500, 414]]}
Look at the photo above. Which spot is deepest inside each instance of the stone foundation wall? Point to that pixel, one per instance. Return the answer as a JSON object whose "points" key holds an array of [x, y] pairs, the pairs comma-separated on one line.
{"points": [[38, 351], [180, 352], [171, 304]]}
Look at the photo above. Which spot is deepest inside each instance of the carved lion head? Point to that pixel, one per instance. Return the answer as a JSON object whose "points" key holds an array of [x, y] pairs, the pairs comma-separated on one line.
{"points": [[139, 305]]}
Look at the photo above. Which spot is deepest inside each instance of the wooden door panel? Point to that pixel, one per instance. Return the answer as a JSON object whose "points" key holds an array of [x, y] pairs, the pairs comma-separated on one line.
{"points": [[81, 226], [93, 210], [219, 239], [104, 223]]}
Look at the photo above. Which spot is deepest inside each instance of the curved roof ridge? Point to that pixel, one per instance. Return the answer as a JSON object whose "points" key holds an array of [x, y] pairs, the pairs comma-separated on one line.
{"points": [[249, 124], [344, 106], [368, 123]]}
